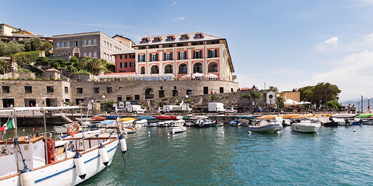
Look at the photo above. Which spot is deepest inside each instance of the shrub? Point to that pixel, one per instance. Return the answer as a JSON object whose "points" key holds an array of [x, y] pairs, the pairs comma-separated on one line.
{"points": [[245, 96], [81, 72], [131, 85], [93, 79], [30, 78], [213, 97], [255, 95], [51, 78], [36, 70], [18, 78], [58, 79], [25, 57], [165, 99], [226, 97]]}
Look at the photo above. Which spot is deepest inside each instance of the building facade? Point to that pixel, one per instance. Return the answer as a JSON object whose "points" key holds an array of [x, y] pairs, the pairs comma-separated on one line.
{"points": [[10, 33], [7, 30], [190, 55], [90, 44]]}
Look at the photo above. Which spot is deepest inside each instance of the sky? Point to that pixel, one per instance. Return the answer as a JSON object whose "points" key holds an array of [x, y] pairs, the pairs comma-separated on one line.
{"points": [[286, 44]]}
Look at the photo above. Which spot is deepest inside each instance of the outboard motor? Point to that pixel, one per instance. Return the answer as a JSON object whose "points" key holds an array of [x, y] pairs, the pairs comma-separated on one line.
{"points": [[79, 166]]}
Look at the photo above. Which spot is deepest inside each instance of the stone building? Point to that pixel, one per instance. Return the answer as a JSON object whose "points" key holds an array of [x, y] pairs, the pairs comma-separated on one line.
{"points": [[88, 44]]}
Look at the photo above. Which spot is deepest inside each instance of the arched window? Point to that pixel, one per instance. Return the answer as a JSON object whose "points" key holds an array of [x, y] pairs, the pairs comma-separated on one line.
{"points": [[213, 67], [197, 67], [154, 69], [142, 70], [168, 69], [183, 69]]}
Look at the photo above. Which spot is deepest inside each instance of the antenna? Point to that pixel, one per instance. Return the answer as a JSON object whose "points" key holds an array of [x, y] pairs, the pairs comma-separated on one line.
{"points": [[145, 31]]}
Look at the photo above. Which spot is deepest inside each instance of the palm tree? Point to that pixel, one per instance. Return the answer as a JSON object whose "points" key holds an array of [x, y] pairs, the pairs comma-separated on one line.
{"points": [[94, 66]]}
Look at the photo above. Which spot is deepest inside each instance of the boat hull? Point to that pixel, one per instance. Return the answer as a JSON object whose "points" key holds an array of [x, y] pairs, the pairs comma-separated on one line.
{"points": [[306, 128], [202, 125], [270, 128], [174, 130], [64, 172]]}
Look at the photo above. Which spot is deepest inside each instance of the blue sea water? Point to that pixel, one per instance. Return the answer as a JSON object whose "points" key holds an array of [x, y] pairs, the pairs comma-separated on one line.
{"points": [[230, 156]]}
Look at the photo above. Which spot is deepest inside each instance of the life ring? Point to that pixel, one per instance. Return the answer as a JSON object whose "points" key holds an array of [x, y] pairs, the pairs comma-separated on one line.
{"points": [[71, 126]]}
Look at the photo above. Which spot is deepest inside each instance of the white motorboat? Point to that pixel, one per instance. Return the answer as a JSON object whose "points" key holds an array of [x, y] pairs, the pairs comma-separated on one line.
{"points": [[177, 129], [141, 123], [178, 123], [306, 126], [265, 126], [30, 160], [164, 123]]}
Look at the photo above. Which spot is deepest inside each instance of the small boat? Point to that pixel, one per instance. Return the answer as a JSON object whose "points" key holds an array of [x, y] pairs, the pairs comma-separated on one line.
{"points": [[367, 122], [217, 124], [128, 119], [163, 117], [267, 117], [98, 118], [112, 117], [165, 123], [235, 123], [306, 126], [265, 126], [203, 123], [177, 129], [145, 117], [174, 117], [356, 121], [177, 123], [286, 122], [289, 116], [140, 123], [198, 117], [343, 115], [152, 124], [245, 117], [129, 130], [364, 116], [189, 124], [185, 117]]}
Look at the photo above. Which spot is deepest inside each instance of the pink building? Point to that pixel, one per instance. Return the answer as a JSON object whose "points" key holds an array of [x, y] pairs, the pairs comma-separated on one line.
{"points": [[125, 62], [186, 56]]}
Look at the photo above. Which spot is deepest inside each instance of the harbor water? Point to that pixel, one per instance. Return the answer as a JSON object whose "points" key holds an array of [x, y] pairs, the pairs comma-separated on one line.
{"points": [[230, 156]]}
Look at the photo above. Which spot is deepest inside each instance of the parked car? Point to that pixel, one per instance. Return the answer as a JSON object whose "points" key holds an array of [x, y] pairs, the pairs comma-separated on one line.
{"points": [[242, 109], [201, 110], [121, 109], [230, 110], [158, 110]]}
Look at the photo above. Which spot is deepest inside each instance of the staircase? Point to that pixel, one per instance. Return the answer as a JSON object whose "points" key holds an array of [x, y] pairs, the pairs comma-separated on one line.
{"points": [[67, 119]]}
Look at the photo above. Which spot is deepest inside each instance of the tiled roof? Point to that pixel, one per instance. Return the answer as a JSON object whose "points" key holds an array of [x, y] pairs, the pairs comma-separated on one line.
{"points": [[122, 73], [178, 39]]}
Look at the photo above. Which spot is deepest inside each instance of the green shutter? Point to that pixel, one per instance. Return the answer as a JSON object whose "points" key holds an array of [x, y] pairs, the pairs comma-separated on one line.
{"points": [[156, 57], [164, 57], [216, 53], [178, 55], [138, 57], [171, 56], [194, 54], [209, 53], [185, 56], [200, 54]]}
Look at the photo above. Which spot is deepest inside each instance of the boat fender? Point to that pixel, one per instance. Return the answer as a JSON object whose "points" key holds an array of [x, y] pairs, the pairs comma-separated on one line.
{"points": [[103, 155], [79, 166], [51, 150], [27, 177], [123, 144]]}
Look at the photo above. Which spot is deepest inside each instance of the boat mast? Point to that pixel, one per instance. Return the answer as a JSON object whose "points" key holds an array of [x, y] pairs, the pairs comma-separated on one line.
{"points": [[45, 138]]}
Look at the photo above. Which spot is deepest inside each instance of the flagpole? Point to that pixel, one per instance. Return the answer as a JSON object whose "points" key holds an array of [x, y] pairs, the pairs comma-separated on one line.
{"points": [[15, 134]]}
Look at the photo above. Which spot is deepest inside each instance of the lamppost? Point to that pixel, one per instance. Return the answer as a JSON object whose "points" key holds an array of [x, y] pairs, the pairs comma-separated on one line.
{"points": [[278, 104], [103, 97], [368, 104], [362, 108]]}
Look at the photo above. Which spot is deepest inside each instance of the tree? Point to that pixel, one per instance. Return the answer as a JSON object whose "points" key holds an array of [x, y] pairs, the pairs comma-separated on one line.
{"points": [[321, 92], [14, 47], [5, 66], [33, 44], [3, 49], [272, 88], [94, 66], [47, 45]]}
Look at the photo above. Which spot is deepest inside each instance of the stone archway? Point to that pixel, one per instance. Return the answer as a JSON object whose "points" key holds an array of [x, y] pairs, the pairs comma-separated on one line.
{"points": [[149, 93]]}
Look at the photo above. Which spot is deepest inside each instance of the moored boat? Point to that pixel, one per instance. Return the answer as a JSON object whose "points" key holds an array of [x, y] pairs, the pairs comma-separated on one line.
{"points": [[177, 129], [269, 127], [163, 117], [217, 124], [203, 123], [306, 126]]}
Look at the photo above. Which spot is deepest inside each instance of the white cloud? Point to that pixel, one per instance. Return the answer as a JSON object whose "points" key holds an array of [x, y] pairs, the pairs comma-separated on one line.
{"points": [[331, 41], [173, 3], [182, 18]]}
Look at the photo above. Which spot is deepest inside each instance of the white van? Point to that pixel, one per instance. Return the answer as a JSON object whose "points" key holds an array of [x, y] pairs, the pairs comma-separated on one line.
{"points": [[216, 107], [136, 109]]}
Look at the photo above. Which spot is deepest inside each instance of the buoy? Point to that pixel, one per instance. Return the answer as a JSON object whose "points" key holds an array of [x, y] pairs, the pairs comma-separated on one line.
{"points": [[23, 130], [27, 177], [103, 155], [222, 132], [173, 132], [278, 132], [79, 166], [335, 130], [168, 134], [149, 133], [123, 144], [249, 132], [354, 130]]}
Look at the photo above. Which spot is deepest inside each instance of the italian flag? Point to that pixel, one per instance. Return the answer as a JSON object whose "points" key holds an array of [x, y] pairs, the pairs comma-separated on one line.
{"points": [[8, 125]]}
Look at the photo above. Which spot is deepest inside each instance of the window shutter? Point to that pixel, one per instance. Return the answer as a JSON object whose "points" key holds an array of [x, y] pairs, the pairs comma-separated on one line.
{"points": [[138, 58], [216, 53], [171, 56], [156, 57], [194, 54], [200, 54], [209, 54], [164, 57], [178, 55], [185, 56]]}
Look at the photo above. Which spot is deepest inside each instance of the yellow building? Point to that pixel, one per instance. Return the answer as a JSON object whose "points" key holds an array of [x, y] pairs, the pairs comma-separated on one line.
{"points": [[6, 30]]}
